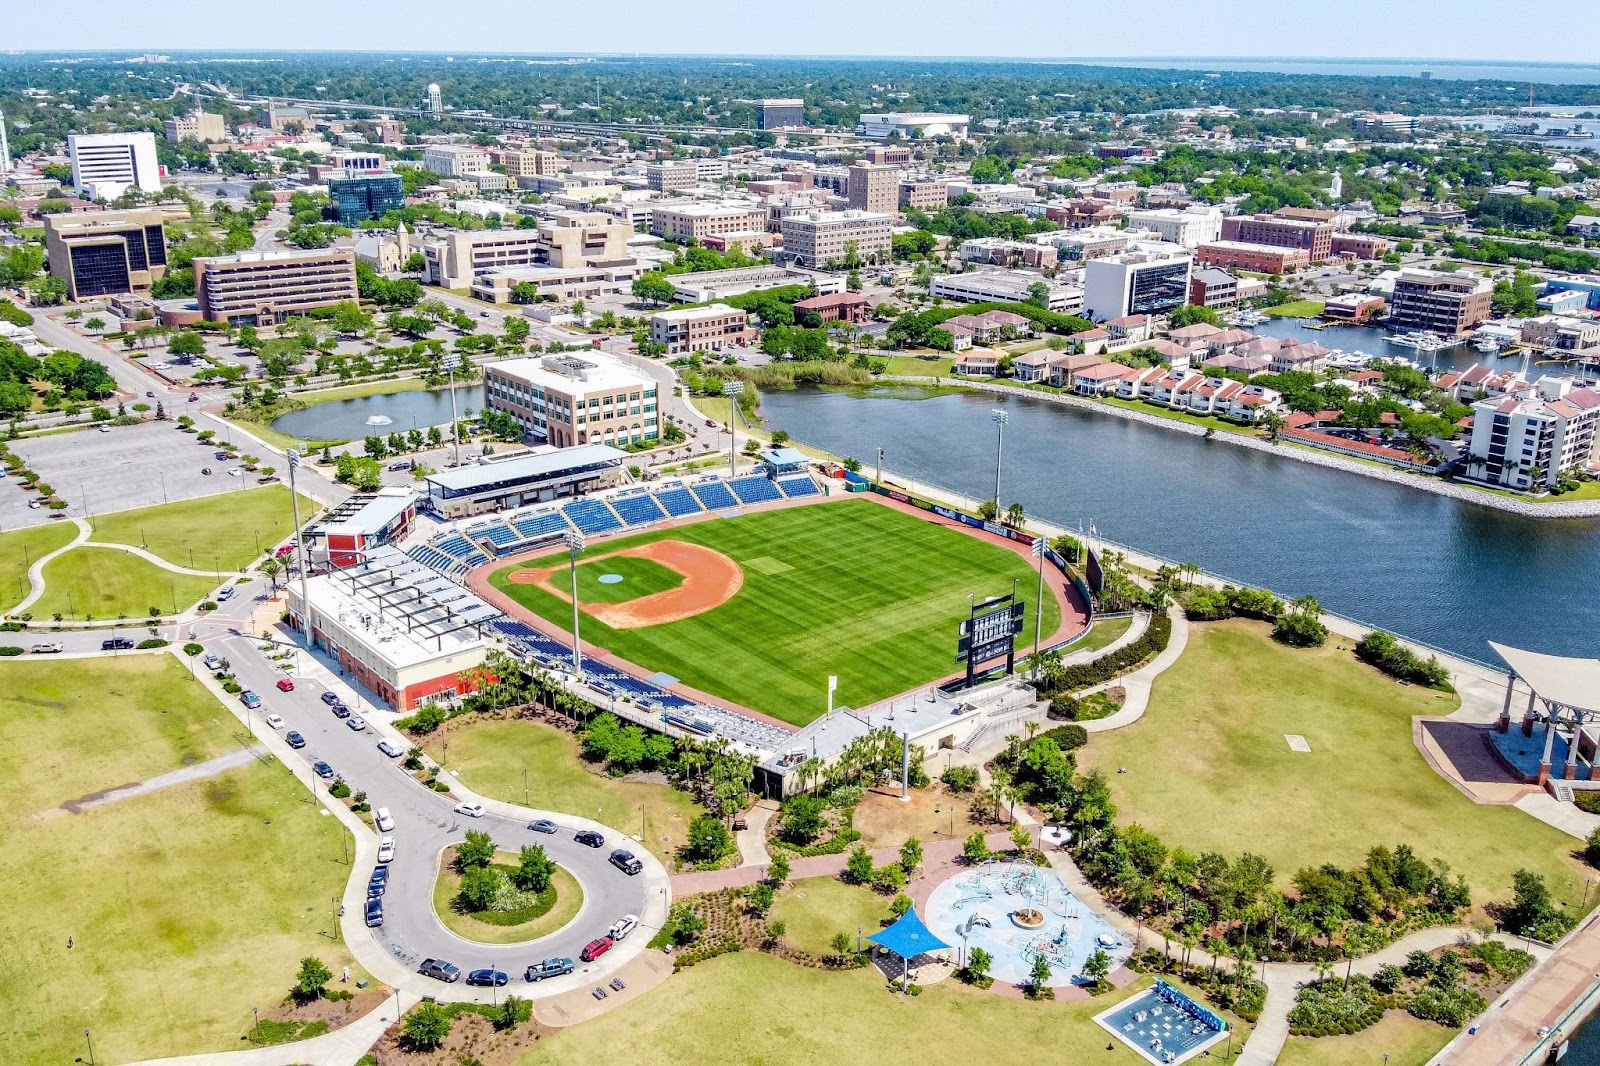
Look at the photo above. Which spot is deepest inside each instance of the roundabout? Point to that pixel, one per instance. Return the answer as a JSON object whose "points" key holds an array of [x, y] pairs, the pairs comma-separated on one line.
{"points": [[547, 912]]}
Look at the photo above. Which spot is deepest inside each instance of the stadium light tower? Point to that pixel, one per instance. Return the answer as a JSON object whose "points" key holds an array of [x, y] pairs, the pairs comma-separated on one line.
{"points": [[999, 418], [575, 545], [299, 543], [731, 389], [449, 362], [1038, 603]]}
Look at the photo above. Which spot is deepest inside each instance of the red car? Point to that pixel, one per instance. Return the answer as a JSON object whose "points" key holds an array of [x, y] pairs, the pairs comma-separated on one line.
{"points": [[285, 685], [595, 948]]}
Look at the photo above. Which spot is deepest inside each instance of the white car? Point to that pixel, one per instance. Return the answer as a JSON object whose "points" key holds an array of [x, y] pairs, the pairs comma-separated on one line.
{"points": [[237, 471], [384, 819], [623, 926], [275, 721], [53, 648], [105, 429], [355, 723], [471, 810], [386, 850]]}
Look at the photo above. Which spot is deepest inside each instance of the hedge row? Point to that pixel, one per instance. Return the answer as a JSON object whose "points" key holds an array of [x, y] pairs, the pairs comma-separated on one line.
{"points": [[1108, 666], [1397, 660], [834, 845]]}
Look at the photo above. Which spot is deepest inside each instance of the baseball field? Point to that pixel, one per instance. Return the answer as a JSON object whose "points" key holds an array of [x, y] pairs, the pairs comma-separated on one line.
{"points": [[761, 609]]}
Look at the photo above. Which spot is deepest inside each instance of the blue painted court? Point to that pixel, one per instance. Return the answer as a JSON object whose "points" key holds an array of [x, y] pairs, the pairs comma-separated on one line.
{"points": [[1523, 753], [1163, 1025]]}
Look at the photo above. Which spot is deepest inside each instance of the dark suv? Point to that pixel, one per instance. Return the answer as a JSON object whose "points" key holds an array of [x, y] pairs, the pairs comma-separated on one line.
{"points": [[624, 861], [548, 968], [589, 838], [116, 644], [440, 970]]}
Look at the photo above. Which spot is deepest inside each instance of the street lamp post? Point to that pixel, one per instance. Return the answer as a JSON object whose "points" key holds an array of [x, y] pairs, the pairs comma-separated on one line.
{"points": [[88, 1036], [1038, 601], [731, 389], [999, 418], [880, 466], [574, 546]]}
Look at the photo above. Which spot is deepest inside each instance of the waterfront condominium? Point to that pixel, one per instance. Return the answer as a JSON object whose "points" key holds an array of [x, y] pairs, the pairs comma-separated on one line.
{"points": [[574, 399], [1528, 442], [264, 288], [1445, 303]]}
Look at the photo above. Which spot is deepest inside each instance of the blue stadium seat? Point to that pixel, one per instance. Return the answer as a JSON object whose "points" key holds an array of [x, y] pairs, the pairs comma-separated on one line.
{"points": [[638, 510], [679, 502], [715, 495], [755, 489], [500, 535], [592, 516], [796, 487], [456, 546], [534, 526]]}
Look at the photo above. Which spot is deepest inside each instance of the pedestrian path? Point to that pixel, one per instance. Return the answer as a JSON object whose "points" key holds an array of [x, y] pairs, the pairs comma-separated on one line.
{"points": [[342, 1047], [933, 852], [36, 571], [182, 776], [152, 558], [752, 840], [1138, 684]]}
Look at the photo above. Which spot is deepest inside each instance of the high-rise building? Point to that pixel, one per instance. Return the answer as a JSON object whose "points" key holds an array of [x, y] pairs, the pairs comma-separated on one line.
{"points": [[455, 160], [1314, 236], [1191, 227], [1528, 442], [1445, 303], [264, 288], [196, 126], [571, 400], [875, 188], [106, 253], [827, 238], [105, 164], [682, 220], [780, 114], [1135, 283], [359, 197]]}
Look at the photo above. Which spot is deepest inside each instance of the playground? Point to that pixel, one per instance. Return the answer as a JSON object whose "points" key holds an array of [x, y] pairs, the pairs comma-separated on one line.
{"points": [[1018, 912]]}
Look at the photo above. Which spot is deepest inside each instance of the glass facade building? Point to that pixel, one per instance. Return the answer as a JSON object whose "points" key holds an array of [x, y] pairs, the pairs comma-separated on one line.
{"points": [[368, 196]]}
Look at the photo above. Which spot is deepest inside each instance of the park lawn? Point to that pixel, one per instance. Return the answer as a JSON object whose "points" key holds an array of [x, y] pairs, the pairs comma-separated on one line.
{"points": [[913, 366], [565, 906], [933, 813], [20, 548], [818, 908], [1296, 309], [718, 409], [873, 596], [1399, 1039], [640, 577], [207, 534], [752, 1008], [490, 757], [1101, 634], [109, 582], [1208, 767], [186, 907]]}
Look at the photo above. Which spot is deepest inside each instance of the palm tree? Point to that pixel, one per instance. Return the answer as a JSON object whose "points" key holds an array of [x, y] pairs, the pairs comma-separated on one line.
{"points": [[272, 568], [1015, 516]]}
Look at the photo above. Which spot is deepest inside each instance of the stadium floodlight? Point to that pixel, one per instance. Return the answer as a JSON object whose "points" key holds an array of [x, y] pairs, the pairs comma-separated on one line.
{"points": [[999, 418], [732, 389], [1039, 549], [294, 455], [574, 540], [449, 362]]}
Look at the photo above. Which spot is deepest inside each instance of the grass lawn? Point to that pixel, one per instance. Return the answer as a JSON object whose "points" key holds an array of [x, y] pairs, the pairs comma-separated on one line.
{"points": [[1296, 309], [750, 1008], [1221, 425], [21, 548], [221, 535], [186, 907], [560, 904], [640, 577], [817, 908], [719, 407], [1102, 634], [933, 813], [873, 596], [916, 366], [107, 582], [491, 756], [1398, 1039], [1209, 769]]}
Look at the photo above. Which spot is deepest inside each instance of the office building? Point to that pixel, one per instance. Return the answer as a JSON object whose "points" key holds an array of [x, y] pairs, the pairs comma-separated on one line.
{"points": [[1359, 246], [707, 285], [105, 164], [890, 155], [1528, 442], [1190, 227], [670, 177], [575, 399], [569, 240], [914, 125], [1445, 303], [827, 238], [196, 126], [875, 188], [1005, 286], [702, 219], [279, 117], [360, 197], [454, 160], [924, 195], [390, 132], [1213, 288], [560, 284], [1316, 238], [1136, 283], [264, 288], [106, 253], [529, 164], [1260, 258], [780, 114], [712, 328]]}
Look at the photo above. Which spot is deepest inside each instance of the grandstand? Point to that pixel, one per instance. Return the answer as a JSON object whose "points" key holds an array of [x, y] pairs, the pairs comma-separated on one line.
{"points": [[796, 487], [755, 488], [592, 516], [679, 502], [714, 495], [540, 525], [638, 510]]}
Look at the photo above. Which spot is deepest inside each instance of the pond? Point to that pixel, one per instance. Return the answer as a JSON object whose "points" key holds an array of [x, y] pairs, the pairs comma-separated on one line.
{"points": [[394, 412]]}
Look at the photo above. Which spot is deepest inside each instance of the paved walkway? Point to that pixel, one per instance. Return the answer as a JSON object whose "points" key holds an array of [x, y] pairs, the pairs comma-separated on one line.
{"points": [[151, 557], [1141, 624], [752, 841], [1137, 685], [197, 772], [342, 1047], [36, 571]]}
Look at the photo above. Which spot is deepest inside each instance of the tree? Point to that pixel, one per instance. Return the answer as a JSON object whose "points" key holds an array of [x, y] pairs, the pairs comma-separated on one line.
{"points": [[653, 287], [1097, 966], [1038, 295], [1192, 314], [858, 868], [778, 868], [1015, 515], [759, 898], [415, 263], [709, 840], [476, 850], [524, 292], [313, 977], [534, 869], [978, 963], [187, 343], [349, 319], [480, 885], [1591, 848], [426, 1027], [1039, 975], [911, 854], [801, 816], [975, 850]]}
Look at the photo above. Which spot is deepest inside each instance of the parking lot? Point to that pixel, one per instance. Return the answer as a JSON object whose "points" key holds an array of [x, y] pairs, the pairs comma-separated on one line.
{"points": [[131, 466]]}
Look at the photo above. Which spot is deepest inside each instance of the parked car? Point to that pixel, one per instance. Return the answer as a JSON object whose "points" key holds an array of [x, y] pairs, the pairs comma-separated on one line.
{"points": [[285, 685], [589, 838], [440, 970], [224, 594], [386, 849], [595, 948], [470, 810], [295, 739], [623, 926], [374, 913], [220, 457], [330, 698], [542, 825], [402, 465], [212, 662], [53, 648], [487, 977], [116, 644], [322, 770], [356, 723], [384, 819], [557, 967], [105, 429], [205, 470], [249, 699], [378, 882], [626, 862], [340, 711], [275, 721], [390, 749]]}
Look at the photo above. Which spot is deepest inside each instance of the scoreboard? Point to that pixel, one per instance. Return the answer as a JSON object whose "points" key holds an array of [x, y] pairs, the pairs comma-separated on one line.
{"points": [[989, 633]]}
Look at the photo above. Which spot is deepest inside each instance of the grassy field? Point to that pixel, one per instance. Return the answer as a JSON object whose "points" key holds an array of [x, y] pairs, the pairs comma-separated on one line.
{"points": [[1102, 634], [492, 755], [872, 595], [748, 1008], [23, 547], [568, 901], [1399, 1039], [107, 582], [913, 366], [204, 533], [817, 908], [1296, 309], [186, 907], [1208, 767], [640, 577]]}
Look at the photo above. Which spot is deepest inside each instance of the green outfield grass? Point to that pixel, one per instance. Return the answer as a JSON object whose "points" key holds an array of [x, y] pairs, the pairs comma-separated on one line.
{"points": [[108, 582], [210, 532], [23, 547], [186, 907], [640, 577], [871, 595]]}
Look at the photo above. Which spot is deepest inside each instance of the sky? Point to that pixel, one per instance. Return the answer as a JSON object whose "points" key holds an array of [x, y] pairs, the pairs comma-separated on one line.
{"points": [[1435, 29]]}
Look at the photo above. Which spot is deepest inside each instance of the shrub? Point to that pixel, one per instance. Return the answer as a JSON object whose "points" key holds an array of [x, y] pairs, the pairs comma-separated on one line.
{"points": [[1062, 707], [1067, 737], [339, 790], [1387, 979], [1588, 802], [965, 778], [801, 816], [759, 898], [1418, 964], [192, 649], [858, 868], [427, 1026], [891, 877], [1393, 658], [151, 642], [429, 716], [1450, 1007], [1511, 963], [10, 649], [1108, 666], [709, 840], [1325, 1007]]}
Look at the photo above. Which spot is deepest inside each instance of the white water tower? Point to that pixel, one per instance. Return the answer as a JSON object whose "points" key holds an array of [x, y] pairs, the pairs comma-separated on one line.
{"points": [[435, 101]]}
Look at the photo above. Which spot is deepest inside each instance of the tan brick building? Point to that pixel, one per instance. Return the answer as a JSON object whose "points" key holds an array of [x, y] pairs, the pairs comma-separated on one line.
{"points": [[712, 328]]}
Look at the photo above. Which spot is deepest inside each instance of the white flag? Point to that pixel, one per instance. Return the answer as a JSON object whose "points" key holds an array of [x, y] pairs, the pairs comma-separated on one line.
{"points": [[833, 684]]}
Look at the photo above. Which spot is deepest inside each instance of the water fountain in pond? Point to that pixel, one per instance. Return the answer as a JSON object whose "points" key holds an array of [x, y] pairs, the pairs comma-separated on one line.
{"points": [[379, 420]]}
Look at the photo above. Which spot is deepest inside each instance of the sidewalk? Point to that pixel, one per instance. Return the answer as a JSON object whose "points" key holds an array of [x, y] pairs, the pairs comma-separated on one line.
{"points": [[934, 852], [1137, 685], [342, 1047]]}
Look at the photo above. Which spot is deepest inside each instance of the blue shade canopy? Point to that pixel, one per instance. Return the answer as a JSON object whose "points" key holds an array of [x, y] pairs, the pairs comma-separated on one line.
{"points": [[908, 937]]}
